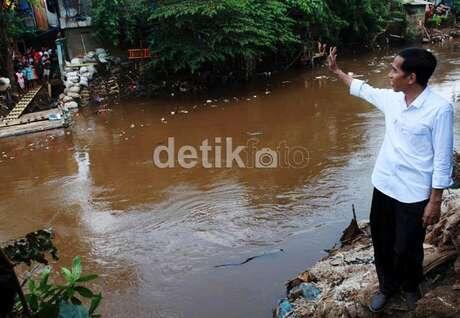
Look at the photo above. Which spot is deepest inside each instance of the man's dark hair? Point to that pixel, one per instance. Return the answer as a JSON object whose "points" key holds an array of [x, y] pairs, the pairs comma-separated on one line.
{"points": [[419, 61]]}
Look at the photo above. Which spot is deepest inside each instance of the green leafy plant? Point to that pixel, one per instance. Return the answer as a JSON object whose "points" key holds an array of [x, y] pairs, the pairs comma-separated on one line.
{"points": [[32, 247], [436, 21], [46, 299]]}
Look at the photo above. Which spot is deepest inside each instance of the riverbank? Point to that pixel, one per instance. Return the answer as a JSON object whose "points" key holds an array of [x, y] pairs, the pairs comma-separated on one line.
{"points": [[342, 283]]}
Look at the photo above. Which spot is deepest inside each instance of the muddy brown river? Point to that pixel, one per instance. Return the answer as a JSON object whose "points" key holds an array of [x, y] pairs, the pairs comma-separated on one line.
{"points": [[156, 234]]}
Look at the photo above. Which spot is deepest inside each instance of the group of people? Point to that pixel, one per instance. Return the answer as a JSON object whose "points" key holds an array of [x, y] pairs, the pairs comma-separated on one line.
{"points": [[34, 66]]}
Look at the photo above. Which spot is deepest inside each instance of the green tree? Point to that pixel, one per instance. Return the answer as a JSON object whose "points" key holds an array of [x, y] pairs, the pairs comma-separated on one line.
{"points": [[230, 34], [121, 22], [11, 28], [192, 38], [7, 18], [361, 19]]}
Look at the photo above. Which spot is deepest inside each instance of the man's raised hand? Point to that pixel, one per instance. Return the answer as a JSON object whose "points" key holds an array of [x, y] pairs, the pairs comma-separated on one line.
{"points": [[332, 60], [332, 64]]}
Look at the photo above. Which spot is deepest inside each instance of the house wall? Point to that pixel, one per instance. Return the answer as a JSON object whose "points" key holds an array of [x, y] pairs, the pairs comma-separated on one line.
{"points": [[75, 46]]}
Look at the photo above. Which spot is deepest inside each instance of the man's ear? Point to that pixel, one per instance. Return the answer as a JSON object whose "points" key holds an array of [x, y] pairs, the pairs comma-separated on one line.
{"points": [[412, 78]]}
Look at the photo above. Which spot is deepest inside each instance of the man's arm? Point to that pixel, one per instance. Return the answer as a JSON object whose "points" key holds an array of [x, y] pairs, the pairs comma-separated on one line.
{"points": [[432, 211], [442, 135], [333, 67], [375, 96]]}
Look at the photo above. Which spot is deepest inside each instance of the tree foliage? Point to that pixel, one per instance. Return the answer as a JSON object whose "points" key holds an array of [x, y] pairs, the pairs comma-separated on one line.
{"points": [[121, 22], [196, 36], [210, 33]]}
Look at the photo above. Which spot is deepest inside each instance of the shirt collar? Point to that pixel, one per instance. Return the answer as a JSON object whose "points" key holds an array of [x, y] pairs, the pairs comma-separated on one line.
{"points": [[418, 102]]}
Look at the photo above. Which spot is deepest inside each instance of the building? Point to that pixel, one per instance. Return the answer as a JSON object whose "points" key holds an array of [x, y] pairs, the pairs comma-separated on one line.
{"points": [[70, 17]]}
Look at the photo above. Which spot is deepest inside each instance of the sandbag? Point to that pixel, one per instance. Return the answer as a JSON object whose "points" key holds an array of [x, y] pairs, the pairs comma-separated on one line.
{"points": [[67, 99], [70, 105], [75, 89]]}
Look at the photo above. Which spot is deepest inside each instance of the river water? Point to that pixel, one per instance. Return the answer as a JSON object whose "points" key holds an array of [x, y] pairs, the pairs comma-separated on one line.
{"points": [[156, 234]]}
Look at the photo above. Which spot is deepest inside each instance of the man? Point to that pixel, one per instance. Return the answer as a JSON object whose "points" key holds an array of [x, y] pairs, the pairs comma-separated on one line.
{"points": [[413, 167]]}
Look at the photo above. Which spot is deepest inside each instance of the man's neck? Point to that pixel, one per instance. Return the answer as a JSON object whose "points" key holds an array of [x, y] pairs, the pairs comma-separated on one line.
{"points": [[412, 93]]}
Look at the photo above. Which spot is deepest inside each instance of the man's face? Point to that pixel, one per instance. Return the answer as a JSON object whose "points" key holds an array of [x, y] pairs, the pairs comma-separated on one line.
{"points": [[399, 80]]}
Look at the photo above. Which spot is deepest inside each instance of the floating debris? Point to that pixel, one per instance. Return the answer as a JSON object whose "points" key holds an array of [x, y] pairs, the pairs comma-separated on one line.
{"points": [[257, 133]]}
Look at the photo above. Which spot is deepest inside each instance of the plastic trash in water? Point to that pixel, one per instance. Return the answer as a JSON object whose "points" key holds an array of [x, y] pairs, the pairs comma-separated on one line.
{"points": [[285, 309], [310, 291], [54, 117]]}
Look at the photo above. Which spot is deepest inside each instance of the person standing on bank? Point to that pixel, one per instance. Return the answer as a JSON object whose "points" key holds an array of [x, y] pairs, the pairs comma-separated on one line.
{"points": [[413, 167]]}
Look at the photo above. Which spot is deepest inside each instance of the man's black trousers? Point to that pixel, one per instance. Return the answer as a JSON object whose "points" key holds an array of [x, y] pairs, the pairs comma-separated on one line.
{"points": [[397, 235]]}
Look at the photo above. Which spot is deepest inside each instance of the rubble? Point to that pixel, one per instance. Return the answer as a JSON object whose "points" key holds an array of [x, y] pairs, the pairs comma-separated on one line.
{"points": [[344, 281]]}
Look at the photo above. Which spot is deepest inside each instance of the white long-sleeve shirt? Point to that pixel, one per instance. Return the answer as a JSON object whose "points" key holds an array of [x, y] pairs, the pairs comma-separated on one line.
{"points": [[417, 150]]}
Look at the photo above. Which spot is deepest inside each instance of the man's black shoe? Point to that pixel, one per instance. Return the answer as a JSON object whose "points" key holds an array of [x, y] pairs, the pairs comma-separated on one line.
{"points": [[378, 301], [411, 299]]}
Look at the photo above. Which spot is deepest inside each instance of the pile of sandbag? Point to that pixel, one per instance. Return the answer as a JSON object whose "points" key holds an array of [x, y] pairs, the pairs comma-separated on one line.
{"points": [[75, 80], [78, 73]]}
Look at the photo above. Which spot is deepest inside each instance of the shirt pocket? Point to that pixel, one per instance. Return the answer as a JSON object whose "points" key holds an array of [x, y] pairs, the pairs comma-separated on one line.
{"points": [[415, 138]]}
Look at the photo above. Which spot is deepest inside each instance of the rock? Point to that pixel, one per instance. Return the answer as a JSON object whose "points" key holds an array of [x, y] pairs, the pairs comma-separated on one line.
{"points": [[71, 105]]}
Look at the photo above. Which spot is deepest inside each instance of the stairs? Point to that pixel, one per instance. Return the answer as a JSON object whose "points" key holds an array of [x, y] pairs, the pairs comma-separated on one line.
{"points": [[21, 106]]}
